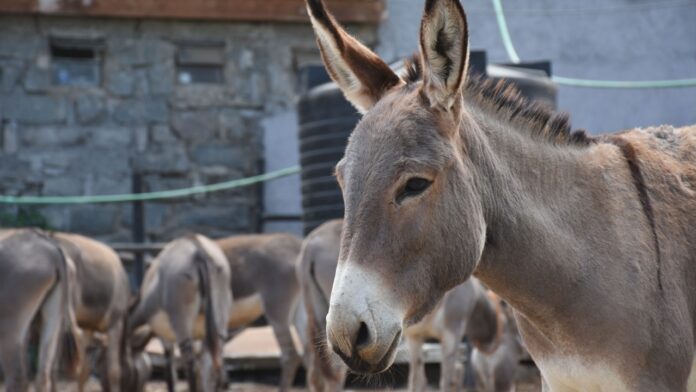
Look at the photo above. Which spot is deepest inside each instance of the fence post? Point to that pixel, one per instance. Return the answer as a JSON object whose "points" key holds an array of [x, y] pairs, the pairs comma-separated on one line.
{"points": [[138, 228]]}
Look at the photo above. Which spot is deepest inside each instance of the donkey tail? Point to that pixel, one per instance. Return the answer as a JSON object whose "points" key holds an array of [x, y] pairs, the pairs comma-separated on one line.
{"points": [[203, 263], [70, 333]]}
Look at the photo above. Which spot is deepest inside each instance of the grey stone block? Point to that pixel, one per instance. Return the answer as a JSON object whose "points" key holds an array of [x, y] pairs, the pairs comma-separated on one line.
{"points": [[141, 112], [37, 79], [53, 136], [89, 109], [21, 46], [34, 109], [120, 83], [142, 52], [10, 138], [10, 72], [13, 169], [165, 159], [162, 134], [141, 136], [195, 125], [161, 78], [226, 155], [102, 161], [111, 185], [201, 96], [111, 137], [234, 216], [93, 220], [63, 186], [156, 183]]}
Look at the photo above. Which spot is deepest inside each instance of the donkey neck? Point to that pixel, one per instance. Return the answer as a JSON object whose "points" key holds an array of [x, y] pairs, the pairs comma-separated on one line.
{"points": [[550, 216]]}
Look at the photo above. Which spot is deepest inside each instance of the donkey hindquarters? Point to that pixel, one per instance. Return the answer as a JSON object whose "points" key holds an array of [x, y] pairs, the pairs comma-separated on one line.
{"points": [[35, 279], [264, 283], [185, 297], [102, 304]]}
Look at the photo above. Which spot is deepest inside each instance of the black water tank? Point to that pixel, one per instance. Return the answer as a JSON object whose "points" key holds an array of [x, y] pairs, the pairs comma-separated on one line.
{"points": [[326, 120]]}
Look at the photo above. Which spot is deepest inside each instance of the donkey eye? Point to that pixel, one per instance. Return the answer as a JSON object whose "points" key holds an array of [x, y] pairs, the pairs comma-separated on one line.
{"points": [[414, 187]]}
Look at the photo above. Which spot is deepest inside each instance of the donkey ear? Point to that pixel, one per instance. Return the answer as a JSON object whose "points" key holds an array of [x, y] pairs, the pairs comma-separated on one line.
{"points": [[444, 46], [360, 73]]}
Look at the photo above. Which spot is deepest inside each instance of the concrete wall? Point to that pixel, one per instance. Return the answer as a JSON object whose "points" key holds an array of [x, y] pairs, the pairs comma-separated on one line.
{"points": [[59, 140], [620, 40]]}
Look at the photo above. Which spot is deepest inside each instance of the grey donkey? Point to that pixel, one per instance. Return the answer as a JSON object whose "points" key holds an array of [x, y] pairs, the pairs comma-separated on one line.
{"points": [[92, 289], [185, 298]]}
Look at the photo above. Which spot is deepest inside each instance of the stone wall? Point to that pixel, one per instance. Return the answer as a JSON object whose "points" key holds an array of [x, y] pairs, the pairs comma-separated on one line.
{"points": [[77, 140]]}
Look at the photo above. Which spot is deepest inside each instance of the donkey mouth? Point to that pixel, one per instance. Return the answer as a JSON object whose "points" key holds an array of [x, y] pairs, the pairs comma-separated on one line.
{"points": [[358, 365]]}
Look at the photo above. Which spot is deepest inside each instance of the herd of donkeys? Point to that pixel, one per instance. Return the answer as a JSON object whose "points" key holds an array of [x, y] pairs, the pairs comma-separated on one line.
{"points": [[71, 295]]}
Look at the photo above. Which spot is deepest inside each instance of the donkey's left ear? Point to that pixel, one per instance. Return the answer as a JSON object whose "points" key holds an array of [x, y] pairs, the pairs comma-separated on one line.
{"points": [[444, 47], [362, 76]]}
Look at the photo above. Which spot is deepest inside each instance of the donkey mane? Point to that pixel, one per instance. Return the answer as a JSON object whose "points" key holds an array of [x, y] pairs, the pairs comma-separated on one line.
{"points": [[505, 101]]}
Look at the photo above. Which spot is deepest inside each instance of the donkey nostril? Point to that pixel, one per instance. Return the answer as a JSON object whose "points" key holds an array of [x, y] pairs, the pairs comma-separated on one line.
{"points": [[363, 337]]}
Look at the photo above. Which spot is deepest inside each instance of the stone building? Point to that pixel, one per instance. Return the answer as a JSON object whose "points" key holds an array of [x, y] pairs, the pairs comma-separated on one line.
{"points": [[93, 92]]}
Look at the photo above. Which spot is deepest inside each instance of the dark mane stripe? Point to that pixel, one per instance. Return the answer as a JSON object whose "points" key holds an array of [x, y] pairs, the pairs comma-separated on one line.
{"points": [[505, 100]]}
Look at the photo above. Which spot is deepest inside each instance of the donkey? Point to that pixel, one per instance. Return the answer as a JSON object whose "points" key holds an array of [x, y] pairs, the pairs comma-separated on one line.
{"points": [[495, 370], [37, 278], [464, 309], [264, 283], [589, 239], [185, 296], [102, 302], [98, 303]]}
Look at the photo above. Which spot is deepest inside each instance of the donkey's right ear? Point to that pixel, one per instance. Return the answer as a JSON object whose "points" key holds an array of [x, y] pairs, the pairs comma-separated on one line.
{"points": [[362, 76], [444, 46]]}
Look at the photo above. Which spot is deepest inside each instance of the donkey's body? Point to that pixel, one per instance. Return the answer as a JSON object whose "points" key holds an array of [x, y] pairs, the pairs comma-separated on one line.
{"points": [[36, 279], [264, 283], [464, 309], [102, 304], [590, 240], [185, 296]]}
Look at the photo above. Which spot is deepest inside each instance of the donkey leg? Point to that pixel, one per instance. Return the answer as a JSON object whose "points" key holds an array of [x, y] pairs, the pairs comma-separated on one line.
{"points": [[315, 380], [13, 356], [169, 367], [290, 360], [86, 369], [211, 378], [416, 371], [113, 356], [51, 317], [189, 356], [450, 372]]}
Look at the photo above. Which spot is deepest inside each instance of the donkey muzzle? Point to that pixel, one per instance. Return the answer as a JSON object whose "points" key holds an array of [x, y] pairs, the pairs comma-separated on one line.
{"points": [[362, 327]]}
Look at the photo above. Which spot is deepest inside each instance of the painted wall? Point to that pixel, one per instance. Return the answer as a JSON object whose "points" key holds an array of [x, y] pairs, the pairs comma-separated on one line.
{"points": [[594, 39]]}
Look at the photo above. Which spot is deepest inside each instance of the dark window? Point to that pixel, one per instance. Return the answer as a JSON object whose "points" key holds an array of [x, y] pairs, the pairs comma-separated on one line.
{"points": [[76, 62], [200, 63]]}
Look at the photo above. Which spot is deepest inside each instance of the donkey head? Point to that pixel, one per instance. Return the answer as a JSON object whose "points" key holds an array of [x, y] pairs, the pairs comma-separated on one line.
{"points": [[414, 224]]}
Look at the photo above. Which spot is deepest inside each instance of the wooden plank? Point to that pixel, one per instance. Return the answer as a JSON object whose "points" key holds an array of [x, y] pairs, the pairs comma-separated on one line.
{"points": [[358, 11]]}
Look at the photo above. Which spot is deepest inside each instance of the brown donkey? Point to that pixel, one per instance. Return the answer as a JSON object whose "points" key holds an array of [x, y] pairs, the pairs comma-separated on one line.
{"points": [[264, 283], [590, 240]]}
